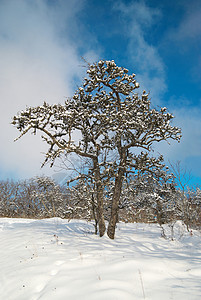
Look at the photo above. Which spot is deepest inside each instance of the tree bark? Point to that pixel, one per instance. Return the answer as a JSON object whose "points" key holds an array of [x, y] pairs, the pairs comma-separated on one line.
{"points": [[99, 195], [115, 203], [94, 211]]}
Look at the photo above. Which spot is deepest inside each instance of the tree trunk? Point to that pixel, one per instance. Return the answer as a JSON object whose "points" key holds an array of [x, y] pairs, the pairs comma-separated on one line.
{"points": [[94, 211], [115, 203], [99, 195]]}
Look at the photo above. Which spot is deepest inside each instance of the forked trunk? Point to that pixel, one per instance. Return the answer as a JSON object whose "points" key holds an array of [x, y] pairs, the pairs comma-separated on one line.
{"points": [[115, 204]]}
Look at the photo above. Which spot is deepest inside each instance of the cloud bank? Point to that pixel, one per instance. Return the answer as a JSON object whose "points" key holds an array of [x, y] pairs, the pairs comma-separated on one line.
{"points": [[39, 61]]}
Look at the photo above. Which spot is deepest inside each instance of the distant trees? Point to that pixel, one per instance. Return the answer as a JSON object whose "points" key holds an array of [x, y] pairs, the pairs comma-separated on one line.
{"points": [[143, 199], [112, 121], [150, 196], [38, 197]]}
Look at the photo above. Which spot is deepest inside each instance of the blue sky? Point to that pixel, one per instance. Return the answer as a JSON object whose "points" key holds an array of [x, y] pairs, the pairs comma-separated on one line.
{"points": [[41, 45]]}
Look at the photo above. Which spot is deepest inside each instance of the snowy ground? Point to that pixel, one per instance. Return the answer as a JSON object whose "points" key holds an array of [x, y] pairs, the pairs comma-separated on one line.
{"points": [[56, 259]]}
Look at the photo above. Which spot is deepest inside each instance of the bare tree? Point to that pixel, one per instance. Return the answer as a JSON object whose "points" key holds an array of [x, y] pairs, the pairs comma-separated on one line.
{"points": [[182, 179], [9, 192], [112, 121], [181, 174]]}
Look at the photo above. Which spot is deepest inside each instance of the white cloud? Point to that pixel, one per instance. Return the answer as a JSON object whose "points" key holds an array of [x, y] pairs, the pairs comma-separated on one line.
{"points": [[138, 20], [38, 62]]}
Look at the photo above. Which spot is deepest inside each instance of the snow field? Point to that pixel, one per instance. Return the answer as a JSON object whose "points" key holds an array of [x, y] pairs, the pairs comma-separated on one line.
{"points": [[56, 259]]}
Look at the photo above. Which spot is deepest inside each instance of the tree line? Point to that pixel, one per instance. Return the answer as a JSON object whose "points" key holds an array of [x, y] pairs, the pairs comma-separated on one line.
{"points": [[143, 199]]}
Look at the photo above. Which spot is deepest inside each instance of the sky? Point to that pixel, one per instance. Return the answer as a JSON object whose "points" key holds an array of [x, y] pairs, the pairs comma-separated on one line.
{"points": [[42, 43]]}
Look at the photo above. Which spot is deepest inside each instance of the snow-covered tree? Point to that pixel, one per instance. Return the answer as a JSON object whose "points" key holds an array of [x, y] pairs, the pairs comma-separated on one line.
{"points": [[112, 120], [9, 192], [147, 198], [48, 197]]}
